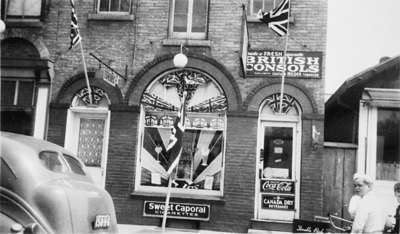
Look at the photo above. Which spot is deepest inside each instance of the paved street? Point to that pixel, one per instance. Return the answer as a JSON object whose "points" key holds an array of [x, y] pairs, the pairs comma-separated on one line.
{"points": [[129, 229]]}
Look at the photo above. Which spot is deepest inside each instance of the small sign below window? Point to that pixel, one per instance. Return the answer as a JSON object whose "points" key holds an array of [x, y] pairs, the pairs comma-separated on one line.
{"points": [[277, 202], [177, 210]]}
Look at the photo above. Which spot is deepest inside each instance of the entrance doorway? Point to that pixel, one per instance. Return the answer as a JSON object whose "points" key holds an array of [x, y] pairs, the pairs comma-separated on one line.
{"points": [[87, 135], [278, 161]]}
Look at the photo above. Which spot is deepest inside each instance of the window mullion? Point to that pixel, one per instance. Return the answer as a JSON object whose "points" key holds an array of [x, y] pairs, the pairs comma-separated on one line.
{"points": [[190, 18]]}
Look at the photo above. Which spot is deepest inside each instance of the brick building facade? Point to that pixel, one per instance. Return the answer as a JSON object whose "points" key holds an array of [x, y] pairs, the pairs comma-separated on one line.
{"points": [[233, 123]]}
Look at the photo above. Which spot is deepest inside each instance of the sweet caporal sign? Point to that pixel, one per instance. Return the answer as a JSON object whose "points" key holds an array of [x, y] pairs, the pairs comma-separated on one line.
{"points": [[299, 64], [177, 210]]}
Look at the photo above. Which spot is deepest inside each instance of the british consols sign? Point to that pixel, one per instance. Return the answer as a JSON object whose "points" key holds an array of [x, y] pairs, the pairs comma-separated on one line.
{"points": [[177, 210], [269, 63]]}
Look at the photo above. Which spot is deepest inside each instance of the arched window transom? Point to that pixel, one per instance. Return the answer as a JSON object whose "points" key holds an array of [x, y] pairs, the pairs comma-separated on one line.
{"points": [[290, 106], [99, 97]]}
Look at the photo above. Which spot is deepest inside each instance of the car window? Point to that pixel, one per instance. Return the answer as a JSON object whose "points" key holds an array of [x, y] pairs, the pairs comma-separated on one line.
{"points": [[7, 177], [52, 161], [74, 164]]}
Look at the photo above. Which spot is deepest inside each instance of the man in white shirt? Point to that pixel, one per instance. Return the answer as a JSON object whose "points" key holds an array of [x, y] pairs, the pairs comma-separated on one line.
{"points": [[369, 216]]}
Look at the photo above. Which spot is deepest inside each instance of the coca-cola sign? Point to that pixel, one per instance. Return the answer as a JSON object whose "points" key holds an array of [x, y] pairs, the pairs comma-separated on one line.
{"points": [[277, 186]]}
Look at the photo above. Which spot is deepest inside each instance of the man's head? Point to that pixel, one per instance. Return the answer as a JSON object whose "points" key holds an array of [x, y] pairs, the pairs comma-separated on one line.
{"points": [[396, 189], [362, 184]]}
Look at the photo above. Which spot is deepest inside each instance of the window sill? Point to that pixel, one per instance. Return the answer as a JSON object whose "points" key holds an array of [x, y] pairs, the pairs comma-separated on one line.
{"points": [[180, 197], [24, 23], [17, 108], [254, 19], [178, 42], [110, 17]]}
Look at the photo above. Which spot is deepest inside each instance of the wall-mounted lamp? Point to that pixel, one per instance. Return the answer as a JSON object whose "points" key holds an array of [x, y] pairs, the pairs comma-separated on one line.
{"points": [[180, 60]]}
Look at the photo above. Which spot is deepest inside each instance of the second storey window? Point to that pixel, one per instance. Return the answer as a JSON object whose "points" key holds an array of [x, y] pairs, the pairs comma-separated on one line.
{"points": [[189, 19], [114, 6], [265, 5], [18, 9]]}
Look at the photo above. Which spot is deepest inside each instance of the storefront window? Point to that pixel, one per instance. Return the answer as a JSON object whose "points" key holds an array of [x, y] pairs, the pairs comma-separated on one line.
{"points": [[200, 168], [388, 148]]}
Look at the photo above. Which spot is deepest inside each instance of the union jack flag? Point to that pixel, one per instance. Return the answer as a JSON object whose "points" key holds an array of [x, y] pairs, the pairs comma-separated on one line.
{"points": [[277, 19], [75, 37], [174, 148]]}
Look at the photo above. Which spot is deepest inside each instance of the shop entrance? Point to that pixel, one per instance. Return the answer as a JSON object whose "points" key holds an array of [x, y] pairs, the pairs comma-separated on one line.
{"points": [[277, 192], [277, 195], [87, 134]]}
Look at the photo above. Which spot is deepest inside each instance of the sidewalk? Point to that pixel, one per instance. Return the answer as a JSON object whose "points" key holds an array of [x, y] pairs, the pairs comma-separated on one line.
{"points": [[131, 229]]}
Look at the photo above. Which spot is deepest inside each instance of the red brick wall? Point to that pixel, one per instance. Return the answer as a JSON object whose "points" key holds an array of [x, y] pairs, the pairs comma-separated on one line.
{"points": [[57, 123], [127, 44]]}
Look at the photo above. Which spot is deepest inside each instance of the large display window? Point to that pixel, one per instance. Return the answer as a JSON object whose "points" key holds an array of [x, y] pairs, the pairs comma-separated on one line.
{"points": [[378, 141], [200, 168]]}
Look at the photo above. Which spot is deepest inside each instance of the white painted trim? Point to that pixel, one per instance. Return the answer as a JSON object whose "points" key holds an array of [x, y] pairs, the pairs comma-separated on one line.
{"points": [[362, 137], [296, 167], [371, 142], [72, 132], [140, 134], [41, 112]]}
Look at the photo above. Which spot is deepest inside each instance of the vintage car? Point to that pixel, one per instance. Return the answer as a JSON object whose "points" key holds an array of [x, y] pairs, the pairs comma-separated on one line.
{"points": [[45, 189]]}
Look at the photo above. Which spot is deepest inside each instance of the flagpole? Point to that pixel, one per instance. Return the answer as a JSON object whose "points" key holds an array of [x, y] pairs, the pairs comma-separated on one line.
{"points": [[284, 65], [174, 171], [164, 221], [86, 75]]}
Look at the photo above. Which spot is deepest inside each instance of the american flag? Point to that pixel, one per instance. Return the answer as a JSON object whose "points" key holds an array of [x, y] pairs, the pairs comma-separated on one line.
{"points": [[277, 19], [75, 37], [174, 148]]}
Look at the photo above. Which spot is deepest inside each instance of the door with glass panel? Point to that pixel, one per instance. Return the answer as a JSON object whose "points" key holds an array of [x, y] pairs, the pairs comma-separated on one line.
{"points": [[277, 195], [87, 136]]}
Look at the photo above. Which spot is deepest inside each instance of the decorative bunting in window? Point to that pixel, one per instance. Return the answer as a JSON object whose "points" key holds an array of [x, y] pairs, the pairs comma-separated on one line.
{"points": [[201, 157], [214, 104], [153, 102], [194, 83]]}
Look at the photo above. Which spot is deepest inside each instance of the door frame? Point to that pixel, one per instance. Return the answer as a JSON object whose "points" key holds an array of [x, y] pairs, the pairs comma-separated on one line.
{"points": [[373, 99], [72, 132], [280, 121]]}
